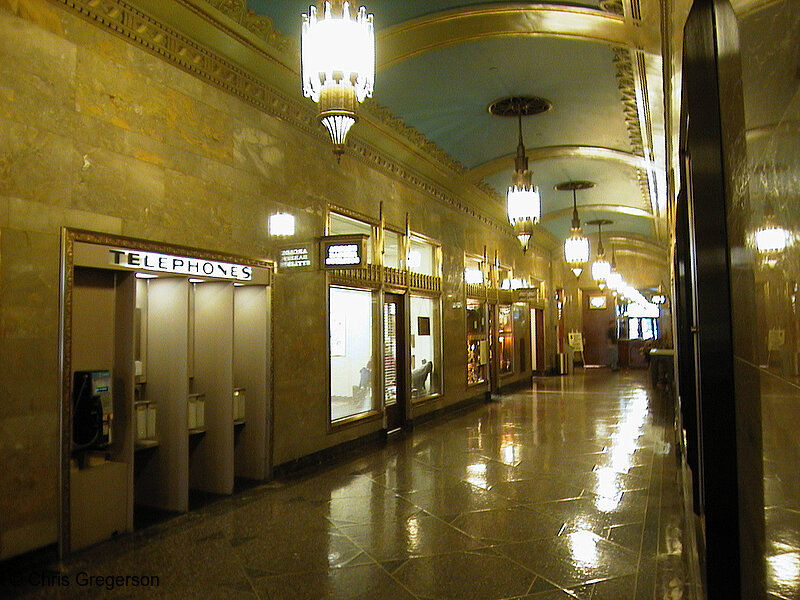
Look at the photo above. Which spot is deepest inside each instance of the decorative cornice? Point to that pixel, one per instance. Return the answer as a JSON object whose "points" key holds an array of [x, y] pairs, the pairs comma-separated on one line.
{"points": [[613, 6], [385, 116], [260, 25], [627, 88], [627, 75], [172, 46]]}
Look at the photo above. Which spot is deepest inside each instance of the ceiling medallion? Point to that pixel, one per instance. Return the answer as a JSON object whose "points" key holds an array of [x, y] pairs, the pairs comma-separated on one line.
{"points": [[519, 106], [571, 186]]}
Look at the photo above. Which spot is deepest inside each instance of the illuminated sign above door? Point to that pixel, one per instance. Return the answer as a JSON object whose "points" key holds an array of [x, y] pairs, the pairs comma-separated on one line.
{"points": [[343, 251], [179, 265]]}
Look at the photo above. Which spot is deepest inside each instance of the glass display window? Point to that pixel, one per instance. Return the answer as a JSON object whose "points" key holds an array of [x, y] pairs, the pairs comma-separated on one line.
{"points": [[426, 362], [477, 342], [341, 225], [351, 346], [474, 270], [422, 256], [505, 339], [642, 328], [504, 277], [392, 244]]}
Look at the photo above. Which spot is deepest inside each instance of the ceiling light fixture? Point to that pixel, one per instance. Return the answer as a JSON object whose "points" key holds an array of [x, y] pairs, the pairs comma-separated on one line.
{"points": [[601, 268], [576, 246], [523, 201], [338, 64]]}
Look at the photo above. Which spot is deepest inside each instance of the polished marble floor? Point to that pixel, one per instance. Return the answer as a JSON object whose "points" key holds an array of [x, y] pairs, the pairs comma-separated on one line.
{"points": [[567, 490]]}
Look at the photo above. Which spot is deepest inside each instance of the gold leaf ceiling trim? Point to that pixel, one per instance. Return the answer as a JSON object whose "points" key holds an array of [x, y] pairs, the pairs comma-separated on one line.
{"points": [[451, 27]]}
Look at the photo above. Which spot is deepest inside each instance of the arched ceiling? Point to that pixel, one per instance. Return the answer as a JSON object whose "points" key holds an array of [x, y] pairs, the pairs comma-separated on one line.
{"points": [[440, 63]]}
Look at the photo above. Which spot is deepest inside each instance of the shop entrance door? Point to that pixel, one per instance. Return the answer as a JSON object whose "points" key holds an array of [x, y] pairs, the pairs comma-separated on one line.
{"points": [[394, 362]]}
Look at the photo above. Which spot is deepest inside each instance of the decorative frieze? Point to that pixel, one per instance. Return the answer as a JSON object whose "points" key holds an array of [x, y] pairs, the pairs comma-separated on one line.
{"points": [[174, 47], [639, 133]]}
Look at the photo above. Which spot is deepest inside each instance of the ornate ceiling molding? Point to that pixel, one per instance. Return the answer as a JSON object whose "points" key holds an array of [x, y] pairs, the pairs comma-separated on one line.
{"points": [[158, 38], [501, 163], [261, 26], [385, 116], [632, 82], [486, 21]]}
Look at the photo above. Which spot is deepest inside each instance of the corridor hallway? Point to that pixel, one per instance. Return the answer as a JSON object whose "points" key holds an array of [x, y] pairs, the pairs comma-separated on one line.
{"points": [[568, 490]]}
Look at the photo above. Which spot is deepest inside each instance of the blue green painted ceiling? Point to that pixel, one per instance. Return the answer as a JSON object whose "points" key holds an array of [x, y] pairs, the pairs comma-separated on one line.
{"points": [[285, 14], [444, 93]]}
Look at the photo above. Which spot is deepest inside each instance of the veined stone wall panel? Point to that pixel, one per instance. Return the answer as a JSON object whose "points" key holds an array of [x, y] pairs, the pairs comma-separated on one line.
{"points": [[100, 134]]}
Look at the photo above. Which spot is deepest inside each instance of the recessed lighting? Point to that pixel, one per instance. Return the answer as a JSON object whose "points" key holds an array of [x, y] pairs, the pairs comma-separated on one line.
{"points": [[145, 276]]}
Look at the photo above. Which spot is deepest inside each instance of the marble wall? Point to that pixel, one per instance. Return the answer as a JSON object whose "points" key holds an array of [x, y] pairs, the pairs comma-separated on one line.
{"points": [[98, 134], [769, 34]]}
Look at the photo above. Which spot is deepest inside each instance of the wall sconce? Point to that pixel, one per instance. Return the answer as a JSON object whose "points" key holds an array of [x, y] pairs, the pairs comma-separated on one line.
{"points": [[281, 224]]}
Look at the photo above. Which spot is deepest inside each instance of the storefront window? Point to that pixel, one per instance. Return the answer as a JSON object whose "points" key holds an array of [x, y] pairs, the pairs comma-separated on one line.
{"points": [[426, 363], [505, 339], [422, 257], [473, 270], [341, 225], [391, 249], [642, 328], [351, 352], [477, 342], [504, 278]]}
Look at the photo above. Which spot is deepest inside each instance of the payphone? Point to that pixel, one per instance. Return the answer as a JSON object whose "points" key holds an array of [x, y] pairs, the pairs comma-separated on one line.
{"points": [[92, 410]]}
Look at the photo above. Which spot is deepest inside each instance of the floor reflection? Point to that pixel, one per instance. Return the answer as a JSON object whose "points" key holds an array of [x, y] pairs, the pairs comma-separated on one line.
{"points": [[570, 490]]}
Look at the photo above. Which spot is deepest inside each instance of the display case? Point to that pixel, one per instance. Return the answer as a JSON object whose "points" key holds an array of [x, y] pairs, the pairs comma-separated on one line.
{"points": [[505, 339], [477, 342]]}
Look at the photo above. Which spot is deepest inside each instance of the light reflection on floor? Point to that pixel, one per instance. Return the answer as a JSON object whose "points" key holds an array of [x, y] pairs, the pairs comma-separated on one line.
{"points": [[571, 491]]}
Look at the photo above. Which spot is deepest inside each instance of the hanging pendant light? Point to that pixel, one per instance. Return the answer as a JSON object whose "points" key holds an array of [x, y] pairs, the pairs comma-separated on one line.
{"points": [[338, 64], [601, 268], [576, 246], [614, 280], [524, 204]]}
